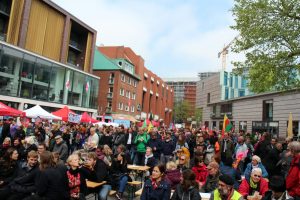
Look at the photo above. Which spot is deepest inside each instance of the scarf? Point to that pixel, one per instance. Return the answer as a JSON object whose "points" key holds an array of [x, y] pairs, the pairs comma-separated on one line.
{"points": [[154, 183], [253, 185], [147, 157], [74, 184]]}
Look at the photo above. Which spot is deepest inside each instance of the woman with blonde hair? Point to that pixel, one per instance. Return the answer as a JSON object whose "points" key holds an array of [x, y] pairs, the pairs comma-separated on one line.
{"points": [[173, 174], [76, 178]]}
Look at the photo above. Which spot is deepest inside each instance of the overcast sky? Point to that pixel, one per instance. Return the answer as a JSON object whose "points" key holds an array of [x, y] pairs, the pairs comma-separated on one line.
{"points": [[176, 38]]}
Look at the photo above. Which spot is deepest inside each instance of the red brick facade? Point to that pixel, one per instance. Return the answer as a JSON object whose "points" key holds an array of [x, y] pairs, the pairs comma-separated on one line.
{"points": [[152, 94]]}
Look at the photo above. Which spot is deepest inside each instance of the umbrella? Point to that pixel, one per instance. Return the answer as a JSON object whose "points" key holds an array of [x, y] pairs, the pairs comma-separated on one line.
{"points": [[85, 118], [63, 113], [9, 111], [38, 111]]}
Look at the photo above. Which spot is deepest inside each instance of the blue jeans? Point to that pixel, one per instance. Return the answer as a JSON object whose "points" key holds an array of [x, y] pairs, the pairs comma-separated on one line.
{"points": [[103, 192], [122, 183]]}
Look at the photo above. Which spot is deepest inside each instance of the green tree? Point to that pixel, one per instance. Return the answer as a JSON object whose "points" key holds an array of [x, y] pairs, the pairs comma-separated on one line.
{"points": [[270, 38], [181, 111]]}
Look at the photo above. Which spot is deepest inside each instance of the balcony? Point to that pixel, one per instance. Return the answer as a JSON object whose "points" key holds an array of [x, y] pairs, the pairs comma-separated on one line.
{"points": [[75, 45], [111, 81], [110, 95]]}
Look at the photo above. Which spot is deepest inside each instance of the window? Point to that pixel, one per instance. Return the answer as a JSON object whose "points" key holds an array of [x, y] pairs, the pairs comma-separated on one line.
{"points": [[56, 84], [230, 81], [208, 97], [126, 108], [226, 93], [109, 104], [133, 96], [225, 78], [134, 83], [41, 80], [268, 110], [127, 94], [120, 106], [232, 93], [243, 126], [244, 82], [241, 93], [10, 65], [295, 127], [236, 81], [226, 108], [123, 77], [132, 108], [129, 80], [122, 92]]}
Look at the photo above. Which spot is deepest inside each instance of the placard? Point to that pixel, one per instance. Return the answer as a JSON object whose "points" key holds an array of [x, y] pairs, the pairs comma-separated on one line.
{"points": [[74, 118]]}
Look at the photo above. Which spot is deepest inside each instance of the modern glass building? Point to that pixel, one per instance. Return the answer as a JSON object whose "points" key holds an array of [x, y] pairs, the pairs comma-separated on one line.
{"points": [[33, 77], [233, 86]]}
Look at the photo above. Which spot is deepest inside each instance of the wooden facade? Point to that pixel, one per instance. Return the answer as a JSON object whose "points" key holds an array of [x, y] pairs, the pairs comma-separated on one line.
{"points": [[44, 28]]}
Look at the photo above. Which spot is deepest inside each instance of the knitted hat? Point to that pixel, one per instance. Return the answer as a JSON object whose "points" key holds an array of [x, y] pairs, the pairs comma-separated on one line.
{"points": [[226, 179]]}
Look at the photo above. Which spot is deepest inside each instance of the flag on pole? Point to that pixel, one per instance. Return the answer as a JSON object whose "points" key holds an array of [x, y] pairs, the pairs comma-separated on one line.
{"points": [[87, 86], [144, 124], [68, 84], [150, 126], [290, 126], [227, 126]]}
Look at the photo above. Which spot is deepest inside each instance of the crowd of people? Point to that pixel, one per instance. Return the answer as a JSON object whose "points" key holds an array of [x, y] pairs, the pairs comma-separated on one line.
{"points": [[53, 161]]}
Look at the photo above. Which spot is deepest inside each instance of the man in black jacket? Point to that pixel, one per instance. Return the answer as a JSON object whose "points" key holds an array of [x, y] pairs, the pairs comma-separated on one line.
{"points": [[24, 184]]}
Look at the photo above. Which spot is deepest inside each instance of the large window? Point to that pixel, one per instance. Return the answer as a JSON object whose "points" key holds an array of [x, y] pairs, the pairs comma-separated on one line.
{"points": [[10, 65], [225, 78], [41, 80], [268, 110], [56, 88], [28, 76], [78, 88]]}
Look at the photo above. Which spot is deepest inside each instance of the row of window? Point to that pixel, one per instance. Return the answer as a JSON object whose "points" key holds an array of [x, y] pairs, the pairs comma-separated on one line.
{"points": [[128, 94], [130, 81], [126, 107], [28, 76], [229, 77]]}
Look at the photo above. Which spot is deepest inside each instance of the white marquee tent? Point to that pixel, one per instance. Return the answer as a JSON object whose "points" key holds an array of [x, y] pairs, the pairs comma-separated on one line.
{"points": [[38, 112]]}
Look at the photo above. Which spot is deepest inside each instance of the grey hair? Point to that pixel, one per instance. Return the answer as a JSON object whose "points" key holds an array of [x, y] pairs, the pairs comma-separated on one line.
{"points": [[257, 169], [294, 147]]}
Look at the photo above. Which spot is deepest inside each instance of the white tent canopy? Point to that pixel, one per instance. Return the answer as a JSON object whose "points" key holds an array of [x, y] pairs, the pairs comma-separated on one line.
{"points": [[107, 124], [37, 111]]}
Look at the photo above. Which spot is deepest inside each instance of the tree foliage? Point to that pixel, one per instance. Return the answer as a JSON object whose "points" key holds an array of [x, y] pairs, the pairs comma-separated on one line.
{"points": [[270, 37], [181, 111]]}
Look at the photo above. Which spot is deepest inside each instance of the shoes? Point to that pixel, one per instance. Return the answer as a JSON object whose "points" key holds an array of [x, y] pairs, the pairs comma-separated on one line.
{"points": [[119, 196]]}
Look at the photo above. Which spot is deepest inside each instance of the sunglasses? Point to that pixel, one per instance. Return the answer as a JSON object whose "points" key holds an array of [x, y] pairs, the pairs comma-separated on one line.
{"points": [[255, 175]]}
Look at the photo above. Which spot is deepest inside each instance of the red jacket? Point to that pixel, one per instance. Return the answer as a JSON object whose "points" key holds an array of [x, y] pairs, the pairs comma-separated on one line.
{"points": [[293, 177], [201, 173], [244, 188]]}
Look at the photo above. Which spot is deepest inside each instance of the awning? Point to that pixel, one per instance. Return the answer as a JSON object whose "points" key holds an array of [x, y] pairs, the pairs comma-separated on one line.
{"points": [[9, 111], [38, 112], [123, 117]]}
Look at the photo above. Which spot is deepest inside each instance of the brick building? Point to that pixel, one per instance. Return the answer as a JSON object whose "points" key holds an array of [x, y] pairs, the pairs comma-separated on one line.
{"points": [[46, 57], [184, 90], [135, 87]]}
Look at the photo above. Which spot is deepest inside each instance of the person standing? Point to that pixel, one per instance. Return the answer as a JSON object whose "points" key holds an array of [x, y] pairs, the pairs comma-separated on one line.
{"points": [[141, 141], [61, 148], [293, 177]]}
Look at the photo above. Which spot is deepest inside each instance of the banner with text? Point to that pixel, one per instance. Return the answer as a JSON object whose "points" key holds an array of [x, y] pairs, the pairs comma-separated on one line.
{"points": [[74, 118]]}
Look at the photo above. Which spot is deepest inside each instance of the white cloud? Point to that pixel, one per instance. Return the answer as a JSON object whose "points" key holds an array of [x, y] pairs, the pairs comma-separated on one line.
{"points": [[170, 35]]}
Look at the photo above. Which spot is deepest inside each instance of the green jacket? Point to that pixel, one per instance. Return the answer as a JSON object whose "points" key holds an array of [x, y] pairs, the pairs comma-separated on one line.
{"points": [[141, 142]]}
